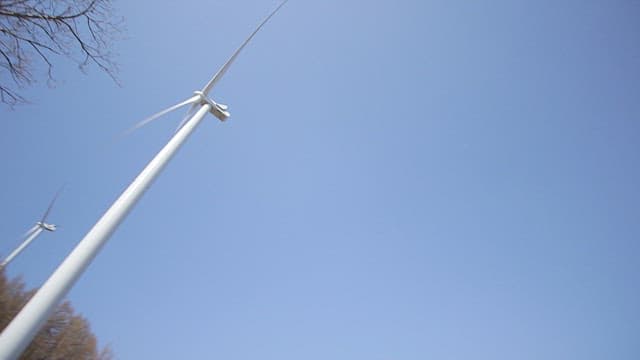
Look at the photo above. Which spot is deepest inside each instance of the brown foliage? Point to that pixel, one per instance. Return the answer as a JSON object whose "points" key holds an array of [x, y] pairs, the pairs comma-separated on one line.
{"points": [[33, 31], [64, 336]]}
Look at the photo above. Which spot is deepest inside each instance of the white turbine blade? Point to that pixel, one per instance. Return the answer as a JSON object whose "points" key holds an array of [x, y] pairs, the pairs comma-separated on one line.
{"points": [[55, 197], [226, 66], [30, 231], [159, 114], [187, 116]]}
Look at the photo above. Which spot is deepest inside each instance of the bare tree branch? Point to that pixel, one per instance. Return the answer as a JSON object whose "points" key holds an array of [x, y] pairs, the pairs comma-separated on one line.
{"points": [[33, 32]]}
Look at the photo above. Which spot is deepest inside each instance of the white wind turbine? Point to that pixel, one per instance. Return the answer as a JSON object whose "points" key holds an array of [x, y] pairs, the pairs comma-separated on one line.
{"points": [[200, 98], [33, 233], [19, 333]]}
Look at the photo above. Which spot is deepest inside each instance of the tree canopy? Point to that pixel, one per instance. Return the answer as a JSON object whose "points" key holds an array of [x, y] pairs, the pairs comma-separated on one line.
{"points": [[66, 335]]}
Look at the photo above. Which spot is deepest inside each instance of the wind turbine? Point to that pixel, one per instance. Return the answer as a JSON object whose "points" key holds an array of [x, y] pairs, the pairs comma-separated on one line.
{"points": [[19, 333], [200, 98], [33, 233]]}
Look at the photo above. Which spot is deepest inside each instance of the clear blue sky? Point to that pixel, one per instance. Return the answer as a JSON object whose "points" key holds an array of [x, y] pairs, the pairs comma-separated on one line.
{"points": [[399, 180]]}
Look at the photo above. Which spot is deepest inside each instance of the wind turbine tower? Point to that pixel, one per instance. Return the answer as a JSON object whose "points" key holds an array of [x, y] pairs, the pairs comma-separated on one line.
{"points": [[33, 233]]}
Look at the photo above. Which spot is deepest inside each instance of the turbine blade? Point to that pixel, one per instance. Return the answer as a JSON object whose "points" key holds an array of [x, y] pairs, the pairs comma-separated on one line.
{"points": [[159, 114], [55, 197], [187, 116], [30, 231], [226, 65]]}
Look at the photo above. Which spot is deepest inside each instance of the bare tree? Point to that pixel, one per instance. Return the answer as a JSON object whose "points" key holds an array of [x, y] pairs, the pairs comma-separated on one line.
{"points": [[66, 335], [34, 31]]}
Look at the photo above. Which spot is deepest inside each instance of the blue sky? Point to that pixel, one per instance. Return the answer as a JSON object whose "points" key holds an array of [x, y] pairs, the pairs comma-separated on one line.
{"points": [[398, 180]]}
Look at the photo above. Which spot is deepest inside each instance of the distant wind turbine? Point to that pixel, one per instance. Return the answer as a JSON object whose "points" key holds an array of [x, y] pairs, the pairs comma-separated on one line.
{"points": [[19, 333], [33, 233]]}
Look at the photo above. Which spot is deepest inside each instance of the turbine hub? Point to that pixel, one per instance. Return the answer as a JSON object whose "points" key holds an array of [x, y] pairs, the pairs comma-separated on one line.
{"points": [[48, 227], [218, 110]]}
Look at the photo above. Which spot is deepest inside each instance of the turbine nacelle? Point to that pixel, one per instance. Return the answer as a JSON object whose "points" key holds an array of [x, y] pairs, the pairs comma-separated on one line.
{"points": [[218, 110], [45, 226]]}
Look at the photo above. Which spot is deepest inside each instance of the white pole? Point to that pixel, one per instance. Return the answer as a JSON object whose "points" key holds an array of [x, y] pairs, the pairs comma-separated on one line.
{"points": [[23, 328], [34, 234]]}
